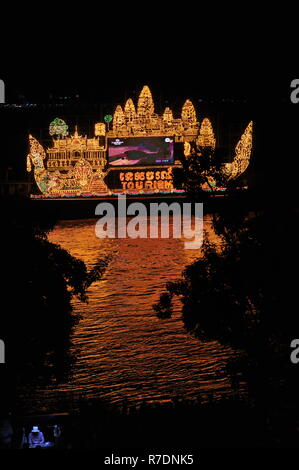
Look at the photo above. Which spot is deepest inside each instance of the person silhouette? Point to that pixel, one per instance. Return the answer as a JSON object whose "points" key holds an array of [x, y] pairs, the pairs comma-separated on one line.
{"points": [[36, 438]]}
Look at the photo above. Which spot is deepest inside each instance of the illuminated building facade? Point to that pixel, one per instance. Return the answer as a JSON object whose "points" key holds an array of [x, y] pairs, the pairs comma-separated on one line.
{"points": [[136, 155]]}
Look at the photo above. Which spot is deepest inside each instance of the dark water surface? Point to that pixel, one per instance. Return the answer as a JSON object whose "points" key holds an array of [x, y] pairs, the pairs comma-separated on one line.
{"points": [[126, 353]]}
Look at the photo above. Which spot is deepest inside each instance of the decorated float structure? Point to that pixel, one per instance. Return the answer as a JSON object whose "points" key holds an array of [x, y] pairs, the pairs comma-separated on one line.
{"points": [[133, 151]]}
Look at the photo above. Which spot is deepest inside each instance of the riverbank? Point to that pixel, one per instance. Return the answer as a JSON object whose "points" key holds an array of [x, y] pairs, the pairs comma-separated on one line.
{"points": [[84, 207], [175, 424]]}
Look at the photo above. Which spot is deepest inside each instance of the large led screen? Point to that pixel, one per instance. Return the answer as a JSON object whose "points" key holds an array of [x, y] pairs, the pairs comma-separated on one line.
{"points": [[140, 151]]}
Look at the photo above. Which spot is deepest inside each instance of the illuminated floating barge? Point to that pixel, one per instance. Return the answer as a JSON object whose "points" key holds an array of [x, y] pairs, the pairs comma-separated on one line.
{"points": [[135, 157]]}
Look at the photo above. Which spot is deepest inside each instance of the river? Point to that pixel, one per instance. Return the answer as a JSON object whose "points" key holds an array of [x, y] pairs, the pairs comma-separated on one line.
{"points": [[126, 354]]}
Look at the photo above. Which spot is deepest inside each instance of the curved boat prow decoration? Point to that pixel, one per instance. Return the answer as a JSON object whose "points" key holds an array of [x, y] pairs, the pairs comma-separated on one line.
{"points": [[242, 155], [36, 157]]}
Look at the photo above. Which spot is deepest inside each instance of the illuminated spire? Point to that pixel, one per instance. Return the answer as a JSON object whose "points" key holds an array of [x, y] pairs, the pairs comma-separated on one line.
{"points": [[188, 112], [118, 118], [168, 116], [145, 105], [242, 155], [206, 136], [130, 112]]}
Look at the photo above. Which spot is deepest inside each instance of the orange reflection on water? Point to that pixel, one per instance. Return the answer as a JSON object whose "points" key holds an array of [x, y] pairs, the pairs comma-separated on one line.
{"points": [[126, 352]]}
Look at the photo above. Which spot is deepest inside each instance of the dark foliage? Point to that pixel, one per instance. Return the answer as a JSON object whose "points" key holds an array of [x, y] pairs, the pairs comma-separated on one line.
{"points": [[39, 280], [199, 170], [239, 292]]}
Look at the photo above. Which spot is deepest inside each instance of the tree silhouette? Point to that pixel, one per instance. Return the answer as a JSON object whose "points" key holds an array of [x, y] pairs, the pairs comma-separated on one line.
{"points": [[236, 293], [201, 169], [39, 280]]}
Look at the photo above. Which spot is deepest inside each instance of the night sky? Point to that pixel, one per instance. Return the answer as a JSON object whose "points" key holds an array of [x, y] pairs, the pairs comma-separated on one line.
{"points": [[115, 82]]}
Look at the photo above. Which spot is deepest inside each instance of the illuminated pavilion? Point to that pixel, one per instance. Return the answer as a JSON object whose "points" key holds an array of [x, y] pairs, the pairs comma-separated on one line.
{"points": [[77, 165]]}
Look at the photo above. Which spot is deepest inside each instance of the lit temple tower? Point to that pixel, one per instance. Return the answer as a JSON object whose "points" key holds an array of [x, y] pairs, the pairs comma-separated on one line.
{"points": [[188, 112], [145, 106], [118, 118], [130, 112], [206, 136], [168, 116]]}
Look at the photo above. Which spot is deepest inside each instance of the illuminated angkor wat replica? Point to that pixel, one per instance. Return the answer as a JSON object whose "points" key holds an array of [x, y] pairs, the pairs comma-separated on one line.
{"points": [[136, 155], [128, 121]]}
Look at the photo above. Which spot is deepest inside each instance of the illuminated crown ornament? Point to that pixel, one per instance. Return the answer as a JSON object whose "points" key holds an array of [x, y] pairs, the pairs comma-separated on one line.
{"points": [[206, 136], [130, 112], [83, 173], [100, 129], [188, 112], [58, 127], [145, 106]]}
